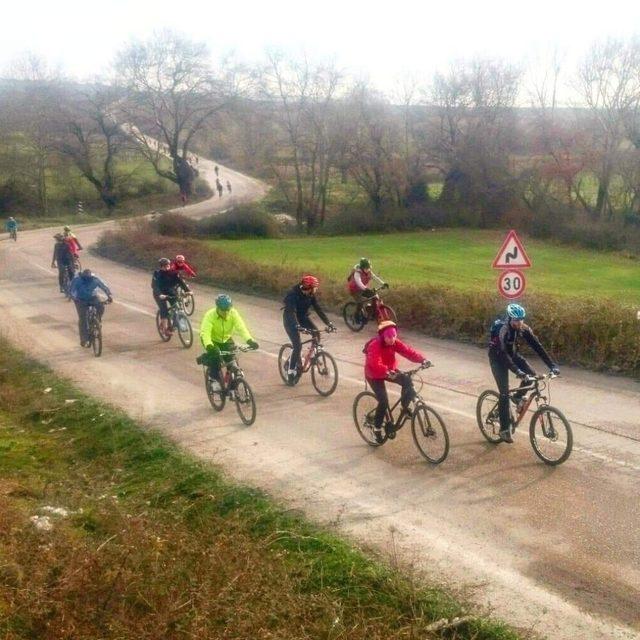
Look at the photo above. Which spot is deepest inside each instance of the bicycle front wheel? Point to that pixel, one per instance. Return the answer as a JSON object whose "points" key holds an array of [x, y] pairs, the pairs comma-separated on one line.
{"points": [[488, 416], [352, 319], [245, 402], [189, 304], [185, 331], [386, 313], [551, 436], [324, 374], [165, 337], [216, 396], [364, 411], [429, 433], [283, 364]]}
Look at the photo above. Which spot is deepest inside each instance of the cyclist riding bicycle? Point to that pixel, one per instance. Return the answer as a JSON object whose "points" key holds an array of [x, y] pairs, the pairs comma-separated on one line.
{"points": [[299, 299], [163, 284], [218, 327], [74, 244], [506, 335], [381, 366], [359, 280], [179, 264], [63, 259], [83, 292], [11, 225]]}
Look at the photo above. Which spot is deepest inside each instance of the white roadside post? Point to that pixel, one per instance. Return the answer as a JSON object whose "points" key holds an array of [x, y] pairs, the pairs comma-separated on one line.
{"points": [[510, 261]]}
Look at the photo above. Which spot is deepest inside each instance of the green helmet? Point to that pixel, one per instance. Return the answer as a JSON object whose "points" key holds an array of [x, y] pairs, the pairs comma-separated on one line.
{"points": [[364, 263]]}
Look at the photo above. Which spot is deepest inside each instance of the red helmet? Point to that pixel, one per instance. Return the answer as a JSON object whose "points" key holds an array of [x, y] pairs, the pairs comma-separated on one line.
{"points": [[309, 282], [179, 258]]}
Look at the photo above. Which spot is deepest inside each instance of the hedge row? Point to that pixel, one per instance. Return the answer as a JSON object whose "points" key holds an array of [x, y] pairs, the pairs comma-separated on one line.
{"points": [[596, 335]]}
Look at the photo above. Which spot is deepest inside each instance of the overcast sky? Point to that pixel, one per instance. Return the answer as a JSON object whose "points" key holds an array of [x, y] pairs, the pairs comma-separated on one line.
{"points": [[381, 40]]}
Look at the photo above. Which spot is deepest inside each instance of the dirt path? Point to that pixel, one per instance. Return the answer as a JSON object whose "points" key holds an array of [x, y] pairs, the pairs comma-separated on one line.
{"points": [[555, 550]]}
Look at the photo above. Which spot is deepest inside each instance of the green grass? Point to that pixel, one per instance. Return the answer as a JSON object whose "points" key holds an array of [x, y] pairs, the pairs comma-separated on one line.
{"points": [[460, 259], [160, 545]]}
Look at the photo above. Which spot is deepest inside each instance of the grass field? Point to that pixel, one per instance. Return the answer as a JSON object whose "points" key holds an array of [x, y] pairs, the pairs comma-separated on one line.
{"points": [[460, 259]]}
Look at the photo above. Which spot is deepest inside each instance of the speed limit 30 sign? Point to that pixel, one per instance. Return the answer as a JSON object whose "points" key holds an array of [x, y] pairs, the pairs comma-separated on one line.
{"points": [[511, 283]]}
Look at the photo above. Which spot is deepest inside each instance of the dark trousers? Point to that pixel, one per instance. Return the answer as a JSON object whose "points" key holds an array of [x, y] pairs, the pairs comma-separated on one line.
{"points": [[163, 305], [61, 270], [500, 372], [81, 307], [215, 360], [379, 388], [296, 341]]}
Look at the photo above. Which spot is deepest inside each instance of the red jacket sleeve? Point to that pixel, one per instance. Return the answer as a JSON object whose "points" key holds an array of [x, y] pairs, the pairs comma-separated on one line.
{"points": [[190, 271], [375, 367], [408, 352]]}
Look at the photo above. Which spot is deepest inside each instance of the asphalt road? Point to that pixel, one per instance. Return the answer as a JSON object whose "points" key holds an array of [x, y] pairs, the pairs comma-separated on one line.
{"points": [[556, 550]]}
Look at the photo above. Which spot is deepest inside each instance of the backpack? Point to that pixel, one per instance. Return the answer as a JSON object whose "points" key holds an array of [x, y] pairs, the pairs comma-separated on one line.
{"points": [[494, 330], [366, 345]]}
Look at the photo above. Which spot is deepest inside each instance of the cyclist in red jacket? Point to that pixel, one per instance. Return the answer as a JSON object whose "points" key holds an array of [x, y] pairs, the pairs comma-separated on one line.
{"points": [[381, 365], [180, 265]]}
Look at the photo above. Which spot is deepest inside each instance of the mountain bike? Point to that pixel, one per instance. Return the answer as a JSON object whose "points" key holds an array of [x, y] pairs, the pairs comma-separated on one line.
{"points": [[231, 385], [13, 234], [178, 320], [549, 431], [67, 276], [357, 315], [324, 371], [427, 427], [187, 300], [94, 328]]}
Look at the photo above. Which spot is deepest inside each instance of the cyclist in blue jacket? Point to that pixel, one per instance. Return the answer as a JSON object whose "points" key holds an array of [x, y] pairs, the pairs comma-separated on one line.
{"points": [[83, 291]]}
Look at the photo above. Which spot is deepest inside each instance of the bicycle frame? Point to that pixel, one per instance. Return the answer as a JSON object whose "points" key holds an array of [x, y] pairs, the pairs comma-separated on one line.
{"points": [[534, 391], [314, 348]]}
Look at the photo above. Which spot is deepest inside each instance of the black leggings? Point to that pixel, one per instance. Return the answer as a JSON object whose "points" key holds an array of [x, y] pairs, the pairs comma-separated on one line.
{"points": [[163, 305], [82, 307], [378, 387], [61, 270], [500, 372], [296, 341]]}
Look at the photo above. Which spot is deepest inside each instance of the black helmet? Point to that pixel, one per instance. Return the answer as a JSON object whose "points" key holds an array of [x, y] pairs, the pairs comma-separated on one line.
{"points": [[163, 262], [364, 263], [86, 274]]}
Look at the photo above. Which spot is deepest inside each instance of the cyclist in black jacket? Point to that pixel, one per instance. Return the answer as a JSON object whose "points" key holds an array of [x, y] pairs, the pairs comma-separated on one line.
{"points": [[63, 259], [163, 284], [297, 303], [506, 334]]}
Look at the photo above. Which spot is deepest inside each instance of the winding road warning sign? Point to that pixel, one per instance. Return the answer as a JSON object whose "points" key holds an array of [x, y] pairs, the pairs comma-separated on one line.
{"points": [[512, 254], [511, 284]]}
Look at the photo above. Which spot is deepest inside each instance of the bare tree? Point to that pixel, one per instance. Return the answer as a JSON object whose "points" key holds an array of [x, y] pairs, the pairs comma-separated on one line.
{"points": [[172, 94]]}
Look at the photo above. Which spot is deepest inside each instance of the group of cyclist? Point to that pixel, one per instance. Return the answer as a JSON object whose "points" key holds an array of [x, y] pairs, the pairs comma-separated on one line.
{"points": [[223, 322]]}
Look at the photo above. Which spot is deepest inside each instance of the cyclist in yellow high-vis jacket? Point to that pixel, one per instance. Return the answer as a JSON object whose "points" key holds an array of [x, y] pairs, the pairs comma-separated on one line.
{"points": [[217, 329]]}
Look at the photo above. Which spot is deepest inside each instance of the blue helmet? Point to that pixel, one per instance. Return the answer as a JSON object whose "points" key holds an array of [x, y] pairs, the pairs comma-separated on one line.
{"points": [[516, 312], [224, 302]]}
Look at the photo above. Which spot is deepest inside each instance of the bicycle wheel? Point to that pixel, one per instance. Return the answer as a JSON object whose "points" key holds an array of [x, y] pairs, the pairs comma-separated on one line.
{"points": [[283, 364], [165, 337], [245, 402], [386, 313], [66, 282], [214, 391], [95, 331], [551, 436], [324, 374], [429, 433], [351, 318], [487, 415], [364, 409], [189, 304], [185, 331]]}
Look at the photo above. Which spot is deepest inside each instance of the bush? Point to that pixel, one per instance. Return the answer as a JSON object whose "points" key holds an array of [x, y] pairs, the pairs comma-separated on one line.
{"points": [[175, 224], [598, 335], [243, 221]]}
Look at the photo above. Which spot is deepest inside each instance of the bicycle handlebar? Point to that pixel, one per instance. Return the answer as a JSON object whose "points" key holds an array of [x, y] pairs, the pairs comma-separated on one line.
{"points": [[427, 365], [237, 348], [312, 331]]}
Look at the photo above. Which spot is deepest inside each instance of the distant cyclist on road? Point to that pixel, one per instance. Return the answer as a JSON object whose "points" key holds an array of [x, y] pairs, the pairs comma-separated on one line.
{"points": [[219, 187], [381, 366], [83, 292], [218, 327], [63, 259], [228, 186], [506, 335], [180, 265], [359, 281], [163, 284], [74, 244], [297, 303], [11, 225]]}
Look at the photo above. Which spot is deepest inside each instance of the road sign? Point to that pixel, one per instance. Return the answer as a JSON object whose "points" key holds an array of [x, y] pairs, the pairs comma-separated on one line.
{"points": [[511, 284], [512, 254]]}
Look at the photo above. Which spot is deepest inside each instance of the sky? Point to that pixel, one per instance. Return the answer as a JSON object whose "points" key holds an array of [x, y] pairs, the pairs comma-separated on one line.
{"points": [[383, 41]]}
